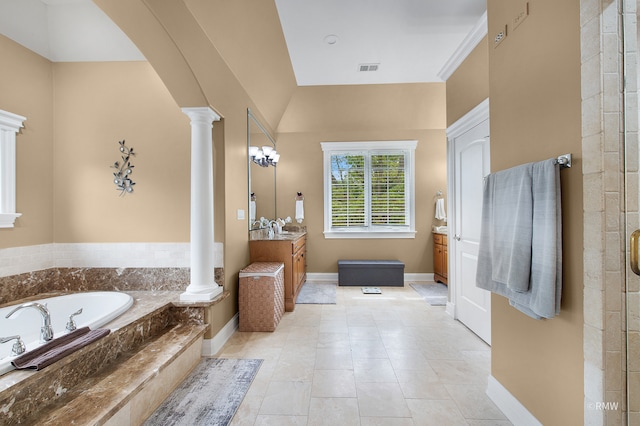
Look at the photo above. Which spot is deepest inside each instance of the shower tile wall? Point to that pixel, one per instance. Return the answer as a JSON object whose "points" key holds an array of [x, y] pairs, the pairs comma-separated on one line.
{"points": [[604, 202]]}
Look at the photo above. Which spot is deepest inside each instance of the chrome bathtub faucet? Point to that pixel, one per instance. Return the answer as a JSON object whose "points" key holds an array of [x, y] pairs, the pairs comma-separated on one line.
{"points": [[71, 324], [46, 331], [18, 347]]}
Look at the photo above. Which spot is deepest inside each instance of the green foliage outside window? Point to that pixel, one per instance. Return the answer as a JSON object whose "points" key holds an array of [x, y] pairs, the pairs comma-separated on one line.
{"points": [[368, 190]]}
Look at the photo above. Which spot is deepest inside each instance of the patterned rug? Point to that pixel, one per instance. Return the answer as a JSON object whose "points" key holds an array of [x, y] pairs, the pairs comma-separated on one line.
{"points": [[210, 395], [435, 294], [317, 293]]}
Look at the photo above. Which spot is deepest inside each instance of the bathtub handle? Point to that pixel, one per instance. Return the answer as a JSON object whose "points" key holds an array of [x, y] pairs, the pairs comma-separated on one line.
{"points": [[18, 347], [71, 325]]}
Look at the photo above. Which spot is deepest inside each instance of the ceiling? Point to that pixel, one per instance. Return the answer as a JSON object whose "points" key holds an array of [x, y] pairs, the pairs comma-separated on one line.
{"points": [[328, 40]]}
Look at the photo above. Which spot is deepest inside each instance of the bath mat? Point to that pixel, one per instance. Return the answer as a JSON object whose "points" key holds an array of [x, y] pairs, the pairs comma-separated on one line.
{"points": [[317, 293], [210, 395], [435, 294], [371, 290]]}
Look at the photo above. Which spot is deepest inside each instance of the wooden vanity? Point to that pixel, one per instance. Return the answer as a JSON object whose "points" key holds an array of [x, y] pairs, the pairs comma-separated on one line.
{"points": [[440, 258], [289, 249]]}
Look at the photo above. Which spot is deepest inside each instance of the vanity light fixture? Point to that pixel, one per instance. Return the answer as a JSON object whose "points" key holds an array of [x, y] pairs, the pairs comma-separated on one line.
{"points": [[265, 156]]}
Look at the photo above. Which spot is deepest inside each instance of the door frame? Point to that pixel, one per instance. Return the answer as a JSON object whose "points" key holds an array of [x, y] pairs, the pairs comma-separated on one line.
{"points": [[471, 119]]}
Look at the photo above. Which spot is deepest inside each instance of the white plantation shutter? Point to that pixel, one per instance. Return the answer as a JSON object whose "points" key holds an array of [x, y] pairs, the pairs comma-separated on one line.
{"points": [[348, 190], [369, 189], [388, 190]]}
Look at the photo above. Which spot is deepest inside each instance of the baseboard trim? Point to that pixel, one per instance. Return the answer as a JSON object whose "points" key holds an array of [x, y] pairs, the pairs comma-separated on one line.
{"points": [[418, 278], [333, 277], [451, 309], [211, 347], [509, 405], [322, 277]]}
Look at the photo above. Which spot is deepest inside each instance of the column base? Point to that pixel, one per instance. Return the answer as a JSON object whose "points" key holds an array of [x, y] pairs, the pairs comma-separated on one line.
{"points": [[206, 296]]}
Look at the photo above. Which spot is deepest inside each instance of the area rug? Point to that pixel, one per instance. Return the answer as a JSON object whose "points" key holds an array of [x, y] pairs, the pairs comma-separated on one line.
{"points": [[435, 294], [317, 293], [210, 395]]}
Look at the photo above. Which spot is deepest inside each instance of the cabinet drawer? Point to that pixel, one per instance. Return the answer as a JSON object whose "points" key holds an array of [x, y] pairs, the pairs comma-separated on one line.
{"points": [[298, 244], [437, 238]]}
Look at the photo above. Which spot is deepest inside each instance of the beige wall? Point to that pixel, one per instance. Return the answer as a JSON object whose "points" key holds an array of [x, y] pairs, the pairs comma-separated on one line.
{"points": [[536, 114], [248, 35], [26, 88], [469, 84], [96, 105], [362, 113]]}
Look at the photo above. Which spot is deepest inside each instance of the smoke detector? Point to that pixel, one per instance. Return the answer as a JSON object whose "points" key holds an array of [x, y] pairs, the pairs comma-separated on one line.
{"points": [[368, 67], [331, 39]]}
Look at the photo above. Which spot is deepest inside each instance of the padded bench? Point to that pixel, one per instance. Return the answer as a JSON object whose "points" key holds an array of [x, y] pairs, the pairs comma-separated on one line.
{"points": [[371, 273]]}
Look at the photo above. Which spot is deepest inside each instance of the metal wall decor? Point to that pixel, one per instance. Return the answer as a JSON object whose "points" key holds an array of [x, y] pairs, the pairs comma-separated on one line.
{"points": [[122, 175]]}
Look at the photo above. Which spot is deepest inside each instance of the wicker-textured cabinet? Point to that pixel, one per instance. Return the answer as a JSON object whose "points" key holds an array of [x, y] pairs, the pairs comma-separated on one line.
{"points": [[290, 249], [440, 258]]}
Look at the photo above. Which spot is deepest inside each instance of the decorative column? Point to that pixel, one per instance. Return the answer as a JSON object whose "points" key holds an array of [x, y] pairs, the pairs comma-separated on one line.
{"points": [[10, 125], [203, 286]]}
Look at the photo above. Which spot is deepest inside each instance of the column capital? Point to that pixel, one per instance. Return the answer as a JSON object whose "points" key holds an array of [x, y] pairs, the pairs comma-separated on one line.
{"points": [[204, 114]]}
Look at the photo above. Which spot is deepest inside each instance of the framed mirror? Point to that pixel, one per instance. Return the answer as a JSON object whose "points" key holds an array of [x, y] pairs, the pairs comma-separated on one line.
{"points": [[262, 173]]}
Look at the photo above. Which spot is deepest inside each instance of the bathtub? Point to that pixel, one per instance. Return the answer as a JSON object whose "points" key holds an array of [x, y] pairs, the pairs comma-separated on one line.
{"points": [[98, 308]]}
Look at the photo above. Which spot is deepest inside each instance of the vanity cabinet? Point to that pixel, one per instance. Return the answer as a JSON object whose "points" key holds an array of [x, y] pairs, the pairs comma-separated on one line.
{"points": [[440, 258], [290, 250]]}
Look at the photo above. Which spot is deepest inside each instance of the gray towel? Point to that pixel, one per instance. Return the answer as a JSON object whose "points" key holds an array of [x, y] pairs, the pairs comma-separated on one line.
{"points": [[520, 254], [57, 349], [509, 193]]}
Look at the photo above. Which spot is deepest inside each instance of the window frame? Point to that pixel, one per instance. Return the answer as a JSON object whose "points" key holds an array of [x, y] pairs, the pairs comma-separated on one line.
{"points": [[368, 148], [10, 125]]}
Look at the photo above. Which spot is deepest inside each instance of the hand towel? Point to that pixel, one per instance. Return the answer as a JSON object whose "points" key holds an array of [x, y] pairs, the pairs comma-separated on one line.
{"points": [[518, 218], [440, 213], [299, 211], [57, 349], [252, 211]]}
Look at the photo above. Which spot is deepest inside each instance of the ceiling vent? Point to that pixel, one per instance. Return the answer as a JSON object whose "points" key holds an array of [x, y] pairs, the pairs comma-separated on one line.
{"points": [[368, 67]]}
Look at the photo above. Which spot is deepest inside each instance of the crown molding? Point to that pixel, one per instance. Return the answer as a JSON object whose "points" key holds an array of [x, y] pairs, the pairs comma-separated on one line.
{"points": [[469, 43]]}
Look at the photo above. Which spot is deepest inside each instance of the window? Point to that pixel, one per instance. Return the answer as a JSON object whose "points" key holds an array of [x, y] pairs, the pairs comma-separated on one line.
{"points": [[369, 189], [10, 124]]}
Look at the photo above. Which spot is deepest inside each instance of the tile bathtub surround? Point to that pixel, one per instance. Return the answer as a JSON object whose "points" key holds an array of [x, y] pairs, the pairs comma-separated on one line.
{"points": [[60, 382], [30, 284], [369, 359], [19, 260]]}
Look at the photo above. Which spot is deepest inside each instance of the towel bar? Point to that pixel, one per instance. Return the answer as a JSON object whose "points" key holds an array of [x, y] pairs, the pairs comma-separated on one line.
{"points": [[564, 161]]}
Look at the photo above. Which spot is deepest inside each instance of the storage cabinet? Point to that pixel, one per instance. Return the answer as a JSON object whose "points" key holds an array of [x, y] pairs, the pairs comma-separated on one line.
{"points": [[290, 249], [440, 258]]}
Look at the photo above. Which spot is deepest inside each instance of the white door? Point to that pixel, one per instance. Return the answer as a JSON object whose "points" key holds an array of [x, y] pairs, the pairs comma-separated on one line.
{"points": [[471, 162]]}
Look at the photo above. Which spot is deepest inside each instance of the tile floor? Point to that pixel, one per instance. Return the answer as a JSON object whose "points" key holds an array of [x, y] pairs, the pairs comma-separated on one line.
{"points": [[389, 359]]}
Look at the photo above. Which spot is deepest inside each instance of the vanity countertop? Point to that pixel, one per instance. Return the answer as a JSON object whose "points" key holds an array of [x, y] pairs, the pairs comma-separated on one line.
{"points": [[262, 235]]}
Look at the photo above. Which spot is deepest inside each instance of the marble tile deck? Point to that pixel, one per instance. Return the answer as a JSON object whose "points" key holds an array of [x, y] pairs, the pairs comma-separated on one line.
{"points": [[146, 339], [389, 359]]}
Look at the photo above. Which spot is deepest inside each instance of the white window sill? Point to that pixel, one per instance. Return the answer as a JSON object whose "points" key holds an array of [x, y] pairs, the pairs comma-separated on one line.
{"points": [[7, 220], [369, 234]]}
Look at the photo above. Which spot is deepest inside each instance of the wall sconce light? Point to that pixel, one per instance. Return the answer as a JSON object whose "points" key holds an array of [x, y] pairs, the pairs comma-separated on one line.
{"points": [[122, 175], [265, 156]]}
